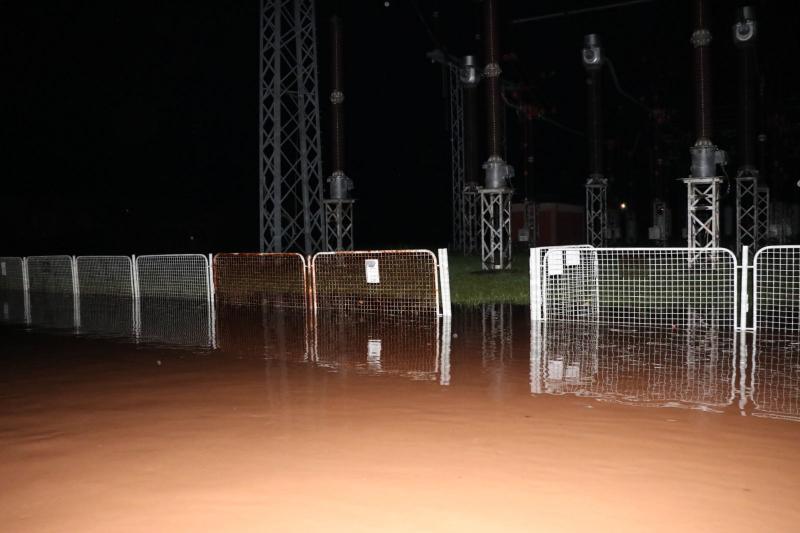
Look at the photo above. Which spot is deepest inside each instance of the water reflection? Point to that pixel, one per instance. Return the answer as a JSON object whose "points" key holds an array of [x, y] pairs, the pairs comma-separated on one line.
{"points": [[689, 368], [775, 377], [263, 331], [377, 345]]}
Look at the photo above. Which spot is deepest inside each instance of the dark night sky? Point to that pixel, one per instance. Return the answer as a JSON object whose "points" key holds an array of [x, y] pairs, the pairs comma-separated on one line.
{"points": [[131, 127]]}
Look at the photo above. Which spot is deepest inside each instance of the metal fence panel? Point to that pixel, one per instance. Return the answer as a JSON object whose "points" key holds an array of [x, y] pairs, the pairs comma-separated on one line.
{"points": [[106, 288], [394, 282], [53, 295], [12, 290], [776, 280], [253, 279], [671, 287], [174, 300]]}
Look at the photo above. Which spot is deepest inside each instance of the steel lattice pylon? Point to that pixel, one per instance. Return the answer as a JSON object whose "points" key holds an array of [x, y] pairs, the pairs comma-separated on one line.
{"points": [[596, 211], [339, 225], [457, 155], [290, 161], [762, 213], [746, 213], [495, 229], [703, 212], [471, 220]]}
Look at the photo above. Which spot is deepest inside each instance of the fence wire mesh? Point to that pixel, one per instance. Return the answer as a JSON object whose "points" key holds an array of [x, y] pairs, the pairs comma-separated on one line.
{"points": [[777, 289], [12, 290], [52, 291], [106, 288], [272, 279], [649, 287], [396, 282], [693, 368], [175, 300]]}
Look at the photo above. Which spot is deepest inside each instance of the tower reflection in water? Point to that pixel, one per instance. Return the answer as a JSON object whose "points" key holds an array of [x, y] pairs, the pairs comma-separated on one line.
{"points": [[693, 368]]}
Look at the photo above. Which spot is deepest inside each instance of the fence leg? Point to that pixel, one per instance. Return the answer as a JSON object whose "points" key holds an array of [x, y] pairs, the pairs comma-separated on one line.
{"points": [[744, 305], [536, 284], [26, 292], [444, 282], [76, 295]]}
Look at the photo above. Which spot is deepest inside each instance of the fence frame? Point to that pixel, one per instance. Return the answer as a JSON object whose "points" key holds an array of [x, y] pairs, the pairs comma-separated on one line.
{"points": [[535, 265], [699, 251], [303, 261], [756, 258], [436, 281]]}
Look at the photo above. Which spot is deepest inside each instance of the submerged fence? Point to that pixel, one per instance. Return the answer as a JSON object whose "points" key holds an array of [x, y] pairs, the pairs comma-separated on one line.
{"points": [[666, 287], [162, 297], [172, 298]]}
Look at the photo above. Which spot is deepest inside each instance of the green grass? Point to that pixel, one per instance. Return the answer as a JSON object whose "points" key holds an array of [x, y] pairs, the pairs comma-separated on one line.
{"points": [[470, 286]]}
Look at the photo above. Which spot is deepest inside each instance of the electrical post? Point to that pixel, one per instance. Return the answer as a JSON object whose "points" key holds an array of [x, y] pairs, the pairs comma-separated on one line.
{"points": [[495, 196], [703, 184], [744, 37], [338, 205], [597, 184]]}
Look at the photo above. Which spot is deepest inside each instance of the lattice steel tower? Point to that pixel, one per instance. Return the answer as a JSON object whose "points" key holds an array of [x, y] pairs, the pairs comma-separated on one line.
{"points": [[290, 165]]}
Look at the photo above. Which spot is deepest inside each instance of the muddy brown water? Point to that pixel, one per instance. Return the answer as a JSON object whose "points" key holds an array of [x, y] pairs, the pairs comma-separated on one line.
{"points": [[262, 422]]}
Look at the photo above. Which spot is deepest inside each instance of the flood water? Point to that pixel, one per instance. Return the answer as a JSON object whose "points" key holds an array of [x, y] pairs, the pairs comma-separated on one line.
{"points": [[257, 420]]}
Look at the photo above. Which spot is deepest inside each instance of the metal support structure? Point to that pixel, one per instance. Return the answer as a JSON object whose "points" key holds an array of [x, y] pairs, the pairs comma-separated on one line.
{"points": [[472, 231], [744, 37], [290, 165], [596, 215], [703, 184], [596, 185], [495, 229], [339, 225], [496, 193], [703, 212], [746, 212], [339, 205], [457, 154], [762, 213]]}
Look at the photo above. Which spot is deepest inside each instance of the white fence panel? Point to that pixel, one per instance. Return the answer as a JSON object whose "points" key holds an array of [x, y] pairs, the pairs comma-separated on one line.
{"points": [[667, 287], [53, 293], [106, 288], [12, 290], [537, 270], [174, 299], [391, 282], [776, 280]]}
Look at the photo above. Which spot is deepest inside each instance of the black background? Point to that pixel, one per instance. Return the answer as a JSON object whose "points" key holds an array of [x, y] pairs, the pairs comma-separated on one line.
{"points": [[132, 127]]}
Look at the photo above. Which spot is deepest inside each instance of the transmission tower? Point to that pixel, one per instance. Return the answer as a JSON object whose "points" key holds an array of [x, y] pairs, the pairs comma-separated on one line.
{"points": [[290, 165]]}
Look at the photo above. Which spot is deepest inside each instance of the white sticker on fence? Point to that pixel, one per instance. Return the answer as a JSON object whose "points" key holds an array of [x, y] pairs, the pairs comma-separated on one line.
{"points": [[573, 257], [374, 353], [3, 268], [555, 263], [373, 270]]}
